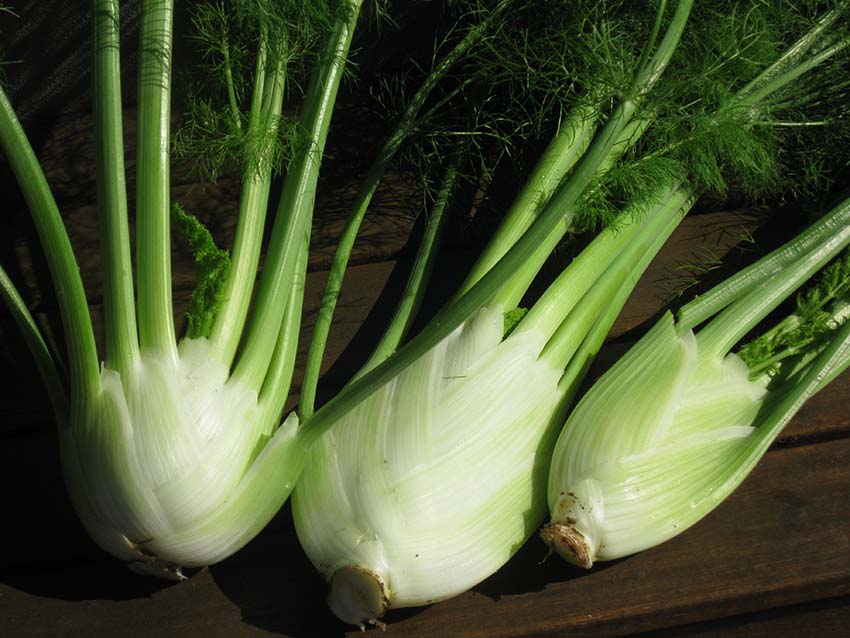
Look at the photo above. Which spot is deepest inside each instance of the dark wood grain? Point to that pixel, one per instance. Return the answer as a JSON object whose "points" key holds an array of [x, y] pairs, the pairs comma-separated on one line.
{"points": [[829, 618]]}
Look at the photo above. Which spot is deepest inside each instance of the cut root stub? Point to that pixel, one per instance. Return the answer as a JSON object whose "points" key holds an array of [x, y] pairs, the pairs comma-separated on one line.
{"points": [[358, 596], [158, 569], [568, 543], [148, 564]]}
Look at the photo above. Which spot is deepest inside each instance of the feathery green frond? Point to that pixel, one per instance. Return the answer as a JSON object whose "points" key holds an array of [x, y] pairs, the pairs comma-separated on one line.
{"points": [[819, 312], [512, 319], [703, 133], [243, 46], [211, 267]]}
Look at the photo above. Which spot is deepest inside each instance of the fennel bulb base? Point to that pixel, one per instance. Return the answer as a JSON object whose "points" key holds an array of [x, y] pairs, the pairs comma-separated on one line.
{"points": [[568, 543], [358, 596], [151, 565]]}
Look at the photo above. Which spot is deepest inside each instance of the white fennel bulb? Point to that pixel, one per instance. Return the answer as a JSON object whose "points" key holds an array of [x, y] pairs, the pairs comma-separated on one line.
{"points": [[432, 483], [173, 452], [644, 455], [678, 422], [160, 461]]}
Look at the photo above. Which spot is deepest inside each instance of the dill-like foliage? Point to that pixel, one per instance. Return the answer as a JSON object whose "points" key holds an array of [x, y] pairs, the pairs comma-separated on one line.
{"points": [[810, 326], [237, 41], [462, 109], [703, 131], [551, 57], [211, 267]]}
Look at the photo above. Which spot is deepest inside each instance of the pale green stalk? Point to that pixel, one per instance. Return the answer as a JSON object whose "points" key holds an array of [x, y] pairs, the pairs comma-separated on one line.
{"points": [[653, 36], [635, 253], [482, 292], [514, 290], [740, 317], [122, 341], [606, 146], [414, 291], [294, 214], [793, 53], [561, 154], [581, 359], [577, 278], [256, 183], [276, 387], [153, 239], [83, 365], [789, 76], [228, 82], [746, 281]]}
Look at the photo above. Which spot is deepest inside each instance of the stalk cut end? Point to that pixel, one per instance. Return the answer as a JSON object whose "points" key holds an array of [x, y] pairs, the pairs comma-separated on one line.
{"points": [[568, 543], [149, 564], [358, 596]]}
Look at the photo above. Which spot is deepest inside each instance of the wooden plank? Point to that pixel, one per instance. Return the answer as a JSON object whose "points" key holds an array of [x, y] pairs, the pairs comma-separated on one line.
{"points": [[821, 619], [47, 46], [780, 540]]}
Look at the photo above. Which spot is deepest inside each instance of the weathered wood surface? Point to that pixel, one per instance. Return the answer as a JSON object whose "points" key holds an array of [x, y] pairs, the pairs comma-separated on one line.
{"points": [[829, 617]]}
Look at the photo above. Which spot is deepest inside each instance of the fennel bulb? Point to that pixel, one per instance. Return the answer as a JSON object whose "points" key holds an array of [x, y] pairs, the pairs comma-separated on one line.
{"points": [[679, 422], [159, 455], [384, 518], [440, 461], [647, 464]]}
